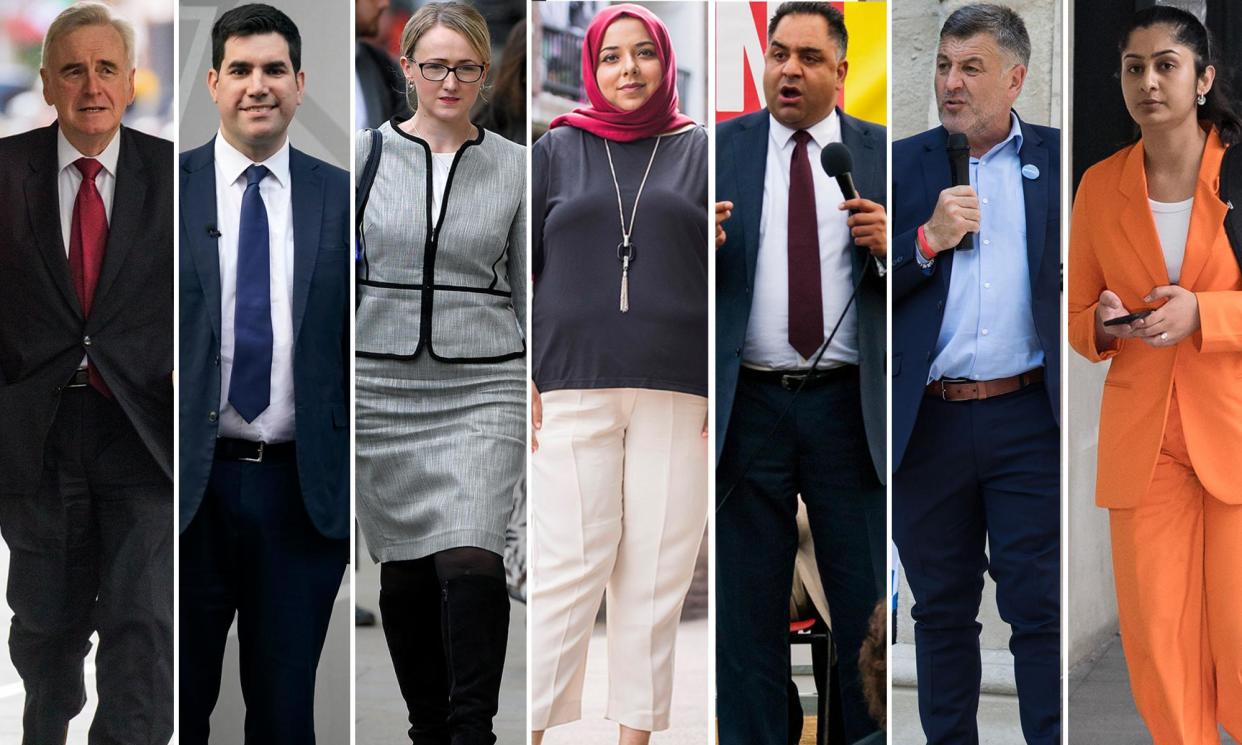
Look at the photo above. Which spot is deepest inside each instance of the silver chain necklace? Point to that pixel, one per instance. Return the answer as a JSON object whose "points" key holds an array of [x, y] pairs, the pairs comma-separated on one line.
{"points": [[625, 250]]}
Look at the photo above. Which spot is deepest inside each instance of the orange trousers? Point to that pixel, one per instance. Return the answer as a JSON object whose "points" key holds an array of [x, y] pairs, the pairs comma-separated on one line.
{"points": [[1177, 563]]}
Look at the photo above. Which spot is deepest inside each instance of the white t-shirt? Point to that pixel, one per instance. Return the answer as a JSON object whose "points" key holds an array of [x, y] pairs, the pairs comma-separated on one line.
{"points": [[441, 164], [1172, 225]]}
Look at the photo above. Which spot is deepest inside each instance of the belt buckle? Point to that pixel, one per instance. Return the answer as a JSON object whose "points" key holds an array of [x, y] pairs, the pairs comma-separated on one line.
{"points": [[789, 380], [255, 460], [944, 391]]}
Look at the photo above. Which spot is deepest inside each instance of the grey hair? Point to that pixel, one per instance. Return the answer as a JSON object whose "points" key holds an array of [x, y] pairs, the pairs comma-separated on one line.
{"points": [[1001, 23], [83, 14]]}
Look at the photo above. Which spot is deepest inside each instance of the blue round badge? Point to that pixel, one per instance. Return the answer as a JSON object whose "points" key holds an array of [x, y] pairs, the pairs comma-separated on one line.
{"points": [[1029, 171]]}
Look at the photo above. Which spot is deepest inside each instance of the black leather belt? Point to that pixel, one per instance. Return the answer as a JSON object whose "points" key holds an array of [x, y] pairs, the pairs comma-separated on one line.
{"points": [[229, 448], [790, 380], [81, 379]]}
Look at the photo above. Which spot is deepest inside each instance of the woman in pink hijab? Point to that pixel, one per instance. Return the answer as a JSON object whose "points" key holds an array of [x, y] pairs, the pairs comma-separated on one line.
{"points": [[619, 391]]}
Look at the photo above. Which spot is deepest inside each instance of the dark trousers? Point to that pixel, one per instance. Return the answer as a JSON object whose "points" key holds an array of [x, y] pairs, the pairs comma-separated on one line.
{"points": [[252, 550], [91, 550], [983, 474], [819, 451]]}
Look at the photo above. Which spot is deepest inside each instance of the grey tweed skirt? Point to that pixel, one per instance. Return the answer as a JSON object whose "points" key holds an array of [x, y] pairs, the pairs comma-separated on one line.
{"points": [[440, 452]]}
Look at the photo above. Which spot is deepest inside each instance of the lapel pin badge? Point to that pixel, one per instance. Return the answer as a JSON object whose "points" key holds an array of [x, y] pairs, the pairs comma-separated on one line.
{"points": [[1030, 172]]}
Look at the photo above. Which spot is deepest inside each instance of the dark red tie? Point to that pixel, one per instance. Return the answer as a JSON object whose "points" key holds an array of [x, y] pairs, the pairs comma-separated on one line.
{"points": [[806, 300], [87, 238]]}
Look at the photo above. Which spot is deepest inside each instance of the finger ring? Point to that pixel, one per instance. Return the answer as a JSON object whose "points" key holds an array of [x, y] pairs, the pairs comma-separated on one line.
{"points": [[1164, 336]]}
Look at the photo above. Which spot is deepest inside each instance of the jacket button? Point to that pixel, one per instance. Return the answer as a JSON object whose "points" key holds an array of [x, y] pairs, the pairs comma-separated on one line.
{"points": [[217, 360], [212, 416], [737, 352], [929, 356], [86, 341], [940, 305]]}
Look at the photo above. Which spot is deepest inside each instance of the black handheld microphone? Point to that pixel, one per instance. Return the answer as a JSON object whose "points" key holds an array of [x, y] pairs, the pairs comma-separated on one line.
{"points": [[959, 169], [838, 163]]}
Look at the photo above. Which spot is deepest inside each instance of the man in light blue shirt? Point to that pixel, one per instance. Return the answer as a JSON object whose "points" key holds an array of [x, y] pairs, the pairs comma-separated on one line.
{"points": [[976, 386]]}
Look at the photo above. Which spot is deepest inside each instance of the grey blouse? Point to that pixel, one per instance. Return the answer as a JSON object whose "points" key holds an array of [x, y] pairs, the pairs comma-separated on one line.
{"points": [[458, 291]]}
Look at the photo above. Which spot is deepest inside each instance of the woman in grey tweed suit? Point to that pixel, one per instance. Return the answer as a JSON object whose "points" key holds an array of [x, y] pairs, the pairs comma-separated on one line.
{"points": [[441, 379]]}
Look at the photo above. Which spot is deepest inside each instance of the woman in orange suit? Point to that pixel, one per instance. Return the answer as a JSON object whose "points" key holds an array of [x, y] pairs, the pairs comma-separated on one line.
{"points": [[1147, 234]]}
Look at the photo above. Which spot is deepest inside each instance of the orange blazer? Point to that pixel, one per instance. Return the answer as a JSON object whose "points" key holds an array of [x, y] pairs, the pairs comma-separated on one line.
{"points": [[1114, 245]]}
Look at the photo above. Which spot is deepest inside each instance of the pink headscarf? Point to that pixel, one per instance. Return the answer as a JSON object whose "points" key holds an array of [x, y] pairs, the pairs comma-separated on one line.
{"points": [[657, 114]]}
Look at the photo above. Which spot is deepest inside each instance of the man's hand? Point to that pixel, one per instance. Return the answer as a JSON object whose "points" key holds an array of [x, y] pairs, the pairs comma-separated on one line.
{"points": [[868, 225], [956, 214], [724, 210]]}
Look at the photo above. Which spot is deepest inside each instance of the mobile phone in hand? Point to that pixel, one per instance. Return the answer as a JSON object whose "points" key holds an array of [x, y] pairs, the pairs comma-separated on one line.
{"points": [[1121, 321]]}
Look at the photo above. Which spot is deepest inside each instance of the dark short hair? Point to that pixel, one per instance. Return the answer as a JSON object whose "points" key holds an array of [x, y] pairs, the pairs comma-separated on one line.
{"points": [[249, 20], [834, 17], [999, 22]]}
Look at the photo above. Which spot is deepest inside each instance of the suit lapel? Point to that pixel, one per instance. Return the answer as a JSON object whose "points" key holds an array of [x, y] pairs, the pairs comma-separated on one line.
{"points": [[1207, 217], [43, 205], [1035, 197], [751, 156], [198, 221], [128, 206], [307, 184], [1136, 220]]}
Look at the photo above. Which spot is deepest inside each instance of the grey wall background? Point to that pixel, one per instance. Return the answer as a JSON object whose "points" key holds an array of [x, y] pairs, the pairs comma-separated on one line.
{"points": [[322, 125], [322, 128], [915, 34]]}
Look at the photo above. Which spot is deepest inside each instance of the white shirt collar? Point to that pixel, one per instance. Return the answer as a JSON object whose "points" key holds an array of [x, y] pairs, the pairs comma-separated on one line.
{"points": [[67, 154], [824, 131], [233, 164]]}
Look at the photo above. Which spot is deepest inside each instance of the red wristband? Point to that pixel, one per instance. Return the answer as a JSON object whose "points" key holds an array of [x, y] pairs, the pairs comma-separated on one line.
{"points": [[924, 247]]}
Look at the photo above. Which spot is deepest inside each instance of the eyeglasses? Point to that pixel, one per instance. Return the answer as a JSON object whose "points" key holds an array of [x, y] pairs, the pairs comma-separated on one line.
{"points": [[435, 72]]}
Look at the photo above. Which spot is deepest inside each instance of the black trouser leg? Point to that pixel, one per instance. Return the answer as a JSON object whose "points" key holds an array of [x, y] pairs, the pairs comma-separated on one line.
{"points": [[410, 600]]}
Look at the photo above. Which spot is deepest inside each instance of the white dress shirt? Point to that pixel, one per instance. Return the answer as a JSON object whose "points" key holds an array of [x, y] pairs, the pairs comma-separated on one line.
{"points": [[276, 423], [69, 179], [767, 334]]}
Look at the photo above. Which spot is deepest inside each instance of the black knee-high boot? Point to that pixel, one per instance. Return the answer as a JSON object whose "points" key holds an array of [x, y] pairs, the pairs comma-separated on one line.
{"points": [[476, 631], [410, 609]]}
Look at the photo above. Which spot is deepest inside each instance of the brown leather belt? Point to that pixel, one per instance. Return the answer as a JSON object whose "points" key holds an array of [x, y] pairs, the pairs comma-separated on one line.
{"points": [[977, 390]]}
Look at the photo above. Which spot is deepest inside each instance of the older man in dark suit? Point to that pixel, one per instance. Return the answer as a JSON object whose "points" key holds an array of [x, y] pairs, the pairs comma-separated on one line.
{"points": [[86, 344], [786, 274]]}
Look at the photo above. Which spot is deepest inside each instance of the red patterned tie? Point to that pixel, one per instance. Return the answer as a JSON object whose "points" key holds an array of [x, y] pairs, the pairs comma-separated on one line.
{"points": [[806, 300], [87, 238]]}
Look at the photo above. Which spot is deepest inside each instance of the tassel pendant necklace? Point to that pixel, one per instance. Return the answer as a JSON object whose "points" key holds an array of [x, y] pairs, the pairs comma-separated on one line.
{"points": [[625, 249]]}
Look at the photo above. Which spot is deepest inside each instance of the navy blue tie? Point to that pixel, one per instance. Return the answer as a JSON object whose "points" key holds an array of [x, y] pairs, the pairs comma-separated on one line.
{"points": [[250, 387]]}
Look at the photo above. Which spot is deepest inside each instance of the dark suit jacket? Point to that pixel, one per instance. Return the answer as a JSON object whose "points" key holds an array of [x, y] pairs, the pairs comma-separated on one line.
{"points": [[920, 173], [320, 332], [741, 157], [383, 84], [42, 332]]}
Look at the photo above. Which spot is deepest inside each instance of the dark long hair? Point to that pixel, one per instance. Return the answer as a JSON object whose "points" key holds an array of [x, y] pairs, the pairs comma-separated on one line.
{"points": [[1220, 109]]}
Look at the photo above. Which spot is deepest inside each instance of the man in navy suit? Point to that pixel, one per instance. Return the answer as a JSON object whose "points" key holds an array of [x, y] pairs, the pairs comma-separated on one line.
{"points": [[976, 385], [264, 389], [86, 395], [791, 253]]}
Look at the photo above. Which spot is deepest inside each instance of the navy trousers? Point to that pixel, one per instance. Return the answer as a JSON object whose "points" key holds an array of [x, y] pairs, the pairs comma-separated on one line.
{"points": [[252, 550], [976, 475], [819, 451]]}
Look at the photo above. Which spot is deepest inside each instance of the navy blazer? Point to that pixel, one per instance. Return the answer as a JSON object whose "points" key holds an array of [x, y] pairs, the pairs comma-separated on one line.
{"points": [[321, 318], [43, 335], [920, 173], [741, 159]]}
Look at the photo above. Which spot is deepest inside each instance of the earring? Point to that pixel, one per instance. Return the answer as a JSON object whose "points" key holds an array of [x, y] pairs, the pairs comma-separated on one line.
{"points": [[1202, 99]]}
